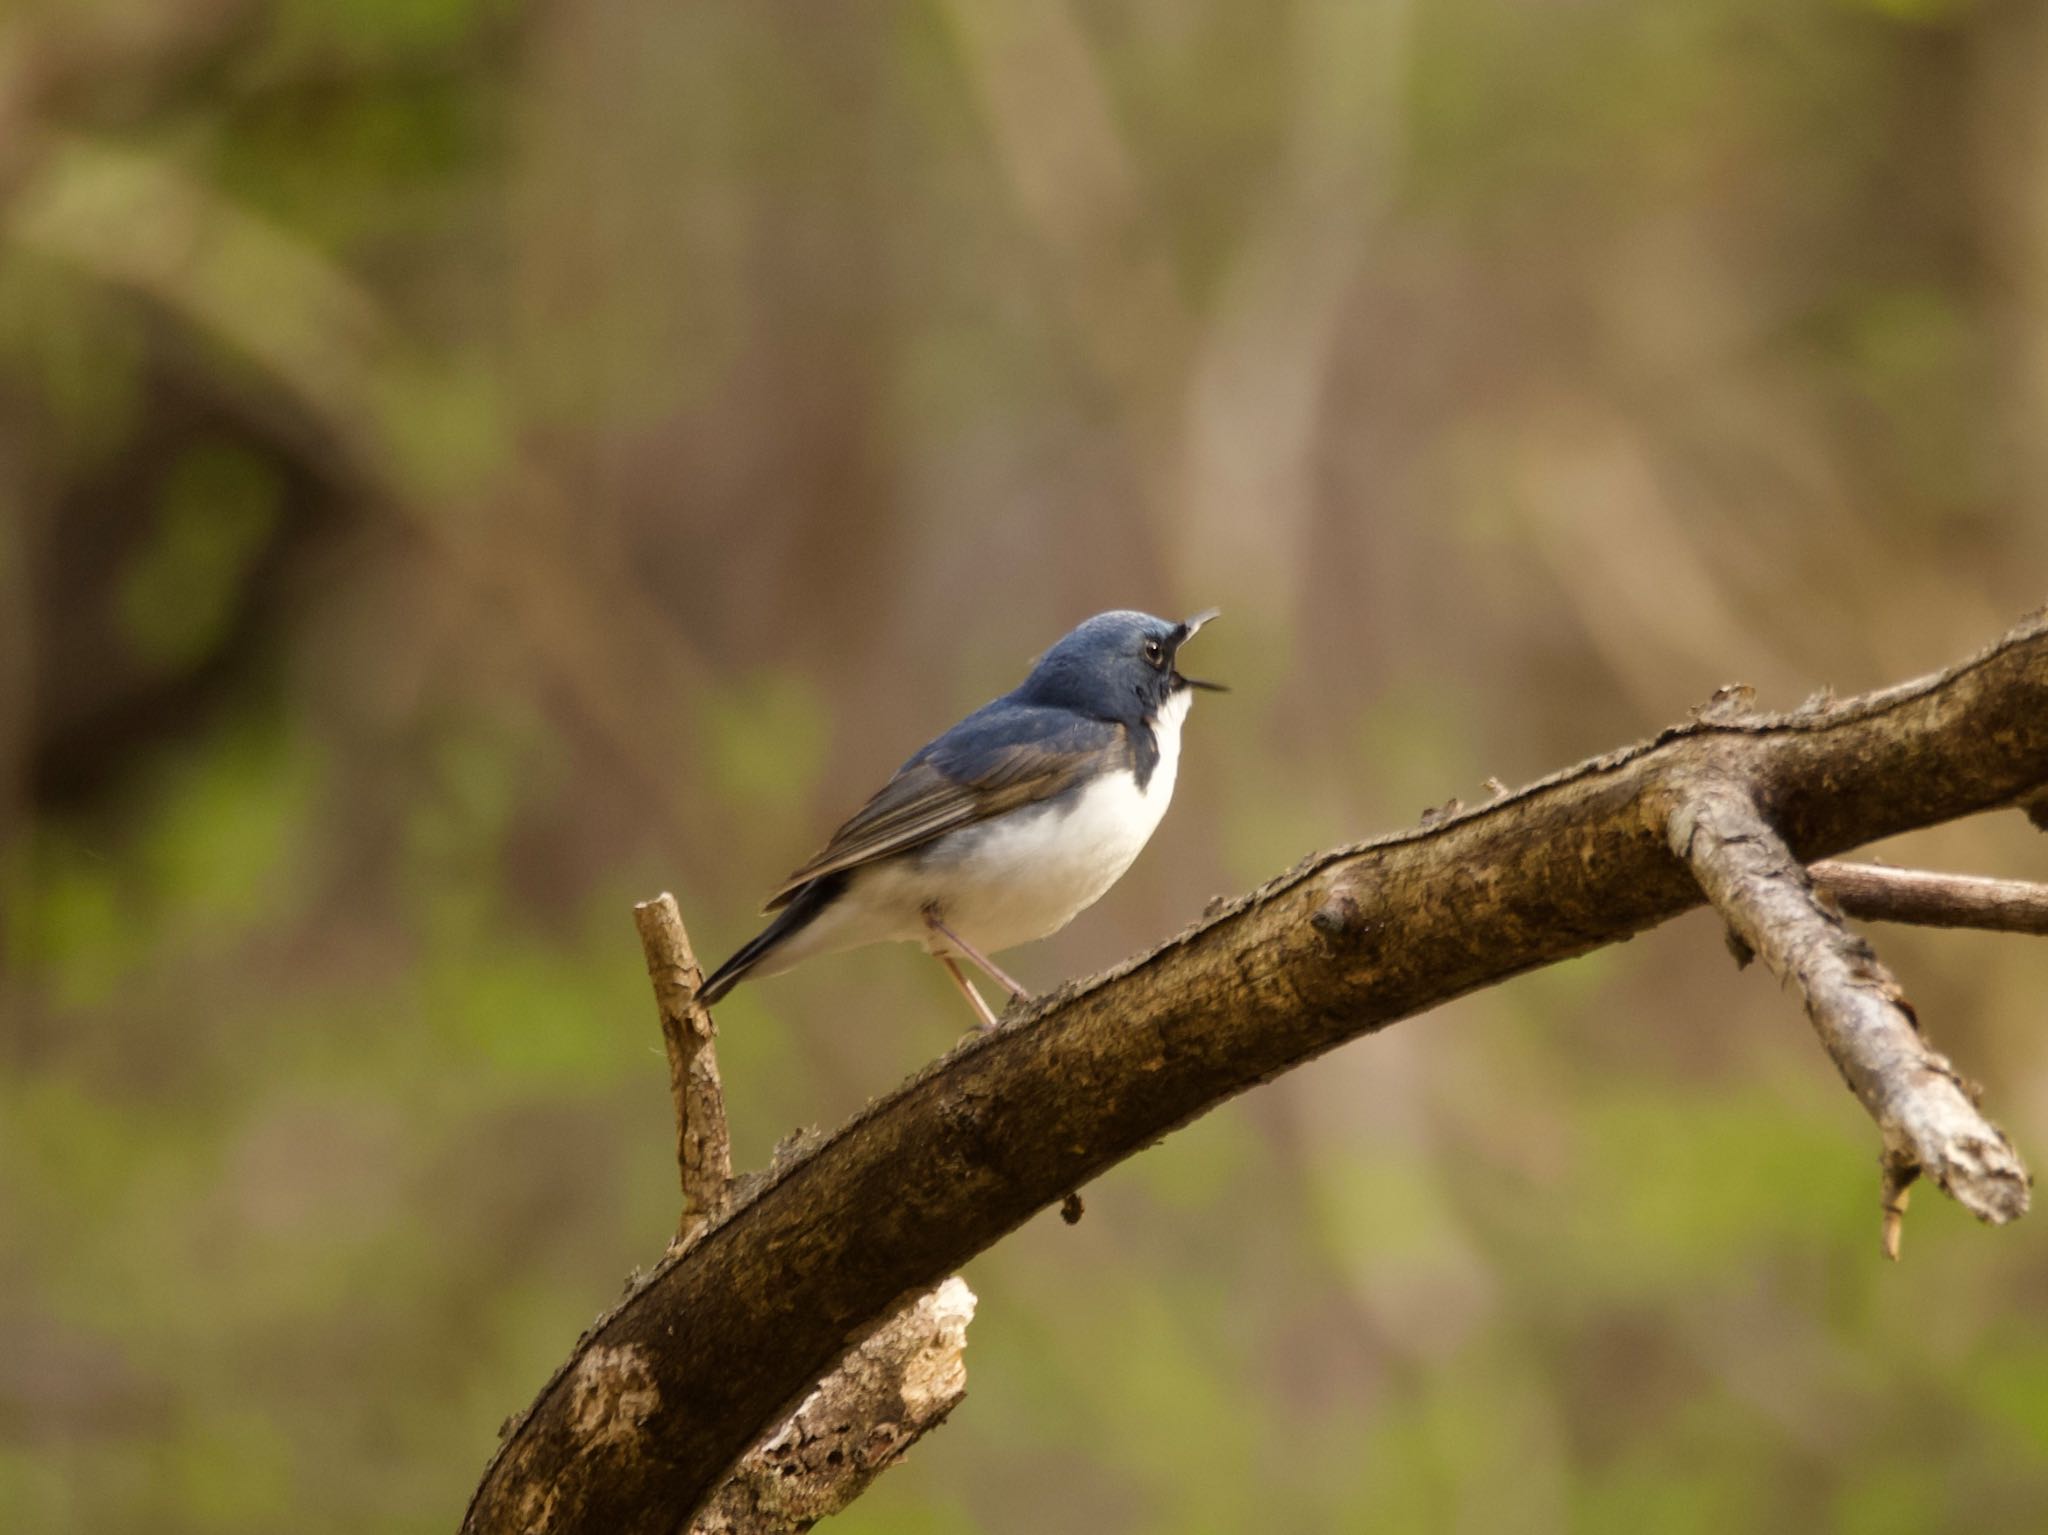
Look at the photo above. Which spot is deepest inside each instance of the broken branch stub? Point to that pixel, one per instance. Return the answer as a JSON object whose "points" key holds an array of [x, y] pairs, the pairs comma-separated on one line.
{"points": [[703, 1142], [1928, 1119]]}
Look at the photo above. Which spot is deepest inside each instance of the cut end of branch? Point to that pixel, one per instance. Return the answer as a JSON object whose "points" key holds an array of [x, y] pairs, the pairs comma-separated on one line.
{"points": [[1985, 1176]]}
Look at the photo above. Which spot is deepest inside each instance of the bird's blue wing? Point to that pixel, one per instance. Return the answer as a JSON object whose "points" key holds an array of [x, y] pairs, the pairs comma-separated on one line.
{"points": [[999, 758]]}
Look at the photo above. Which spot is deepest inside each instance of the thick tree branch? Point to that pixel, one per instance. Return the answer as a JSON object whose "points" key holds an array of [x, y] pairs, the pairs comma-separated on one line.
{"points": [[1928, 1119], [733, 1333], [1880, 893]]}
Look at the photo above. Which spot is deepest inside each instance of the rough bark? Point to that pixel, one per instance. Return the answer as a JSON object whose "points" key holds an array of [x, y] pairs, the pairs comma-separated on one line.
{"points": [[703, 1142], [723, 1340], [885, 1396], [1929, 1121]]}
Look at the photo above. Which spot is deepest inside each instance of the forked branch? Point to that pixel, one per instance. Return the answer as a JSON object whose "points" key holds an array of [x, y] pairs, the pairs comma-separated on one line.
{"points": [[734, 1332], [894, 1388], [1928, 1119]]}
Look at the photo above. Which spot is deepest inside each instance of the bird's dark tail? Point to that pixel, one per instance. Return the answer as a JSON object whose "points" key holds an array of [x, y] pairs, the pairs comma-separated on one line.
{"points": [[802, 910]]}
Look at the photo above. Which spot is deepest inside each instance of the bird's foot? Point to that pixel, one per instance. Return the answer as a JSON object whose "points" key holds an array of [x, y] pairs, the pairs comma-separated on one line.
{"points": [[980, 960], [967, 990]]}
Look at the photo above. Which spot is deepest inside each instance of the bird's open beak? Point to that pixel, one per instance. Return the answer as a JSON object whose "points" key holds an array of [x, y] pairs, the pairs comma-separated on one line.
{"points": [[1187, 632]]}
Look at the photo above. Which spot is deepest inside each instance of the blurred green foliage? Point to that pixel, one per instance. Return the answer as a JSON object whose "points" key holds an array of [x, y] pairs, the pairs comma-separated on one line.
{"points": [[466, 465]]}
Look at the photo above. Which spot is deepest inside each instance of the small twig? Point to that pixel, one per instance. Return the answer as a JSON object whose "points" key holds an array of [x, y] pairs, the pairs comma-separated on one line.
{"points": [[703, 1146], [1926, 1115], [1882, 894], [891, 1391], [1898, 1183]]}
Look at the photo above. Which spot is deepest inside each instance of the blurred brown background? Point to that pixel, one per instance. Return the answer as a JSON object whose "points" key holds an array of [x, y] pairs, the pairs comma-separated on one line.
{"points": [[466, 465]]}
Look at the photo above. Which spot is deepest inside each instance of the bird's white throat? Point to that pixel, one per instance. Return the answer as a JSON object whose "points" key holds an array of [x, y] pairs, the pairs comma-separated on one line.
{"points": [[1166, 730]]}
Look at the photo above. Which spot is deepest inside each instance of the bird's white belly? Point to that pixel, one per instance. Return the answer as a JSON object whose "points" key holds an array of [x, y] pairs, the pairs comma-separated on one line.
{"points": [[1024, 877]]}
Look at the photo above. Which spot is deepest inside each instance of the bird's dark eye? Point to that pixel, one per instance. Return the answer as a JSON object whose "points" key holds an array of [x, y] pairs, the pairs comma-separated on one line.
{"points": [[1155, 653]]}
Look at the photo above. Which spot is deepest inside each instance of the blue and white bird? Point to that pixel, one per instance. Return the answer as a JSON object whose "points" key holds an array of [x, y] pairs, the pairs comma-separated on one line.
{"points": [[1008, 826]]}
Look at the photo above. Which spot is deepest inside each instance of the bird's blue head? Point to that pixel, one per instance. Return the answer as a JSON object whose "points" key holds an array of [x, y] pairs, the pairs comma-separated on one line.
{"points": [[1116, 666]]}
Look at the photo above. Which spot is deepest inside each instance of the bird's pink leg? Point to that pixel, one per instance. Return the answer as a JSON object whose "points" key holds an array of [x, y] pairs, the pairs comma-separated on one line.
{"points": [[988, 1019], [981, 960]]}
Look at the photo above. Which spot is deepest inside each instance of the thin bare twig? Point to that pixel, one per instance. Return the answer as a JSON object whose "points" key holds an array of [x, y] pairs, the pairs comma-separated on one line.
{"points": [[1920, 896], [1896, 1188], [703, 1145], [1924, 1111]]}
